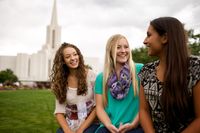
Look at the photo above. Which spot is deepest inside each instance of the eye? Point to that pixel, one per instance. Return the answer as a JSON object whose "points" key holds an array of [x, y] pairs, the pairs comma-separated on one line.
{"points": [[148, 34], [126, 46], [67, 57], [75, 54], [118, 47]]}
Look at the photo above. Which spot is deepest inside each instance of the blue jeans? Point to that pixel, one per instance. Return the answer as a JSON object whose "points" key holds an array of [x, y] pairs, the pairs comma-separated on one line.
{"points": [[91, 129], [135, 130]]}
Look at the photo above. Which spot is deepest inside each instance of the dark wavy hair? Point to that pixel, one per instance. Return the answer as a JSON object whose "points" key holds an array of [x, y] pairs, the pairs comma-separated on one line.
{"points": [[175, 96], [60, 72]]}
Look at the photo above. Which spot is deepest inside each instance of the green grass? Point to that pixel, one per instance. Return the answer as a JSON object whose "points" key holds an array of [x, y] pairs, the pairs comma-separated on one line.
{"points": [[27, 111]]}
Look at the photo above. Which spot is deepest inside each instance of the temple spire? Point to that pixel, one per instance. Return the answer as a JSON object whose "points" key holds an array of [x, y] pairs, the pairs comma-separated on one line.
{"points": [[54, 15]]}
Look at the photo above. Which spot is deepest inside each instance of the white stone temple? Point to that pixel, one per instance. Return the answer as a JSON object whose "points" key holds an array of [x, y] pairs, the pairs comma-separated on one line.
{"points": [[37, 66]]}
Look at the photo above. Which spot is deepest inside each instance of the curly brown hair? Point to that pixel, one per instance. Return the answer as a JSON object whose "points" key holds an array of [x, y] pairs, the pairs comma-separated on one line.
{"points": [[60, 73]]}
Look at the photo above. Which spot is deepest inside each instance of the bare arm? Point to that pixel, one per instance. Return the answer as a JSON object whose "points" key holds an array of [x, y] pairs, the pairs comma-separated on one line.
{"points": [[62, 122], [102, 115], [135, 122], [145, 118], [194, 127], [88, 121]]}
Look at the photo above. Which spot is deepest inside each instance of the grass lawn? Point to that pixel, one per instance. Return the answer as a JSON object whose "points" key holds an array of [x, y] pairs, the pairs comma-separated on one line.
{"points": [[27, 111]]}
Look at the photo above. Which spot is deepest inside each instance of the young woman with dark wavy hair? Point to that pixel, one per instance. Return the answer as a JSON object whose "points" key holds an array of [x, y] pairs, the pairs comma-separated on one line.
{"points": [[170, 87]]}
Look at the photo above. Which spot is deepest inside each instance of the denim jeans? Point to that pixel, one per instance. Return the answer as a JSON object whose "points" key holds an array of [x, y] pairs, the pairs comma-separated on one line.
{"points": [[91, 129], [135, 130]]}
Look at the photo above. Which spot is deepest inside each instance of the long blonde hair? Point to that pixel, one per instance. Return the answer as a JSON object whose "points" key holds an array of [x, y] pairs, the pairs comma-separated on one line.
{"points": [[110, 64]]}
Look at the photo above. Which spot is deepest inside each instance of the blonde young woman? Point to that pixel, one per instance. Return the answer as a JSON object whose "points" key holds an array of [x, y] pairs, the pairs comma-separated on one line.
{"points": [[116, 89], [72, 84]]}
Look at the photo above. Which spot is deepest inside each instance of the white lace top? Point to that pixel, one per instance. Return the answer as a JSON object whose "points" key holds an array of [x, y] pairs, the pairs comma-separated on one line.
{"points": [[78, 107]]}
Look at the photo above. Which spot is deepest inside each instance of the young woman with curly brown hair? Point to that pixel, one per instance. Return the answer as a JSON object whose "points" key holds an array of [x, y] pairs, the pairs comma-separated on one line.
{"points": [[72, 84]]}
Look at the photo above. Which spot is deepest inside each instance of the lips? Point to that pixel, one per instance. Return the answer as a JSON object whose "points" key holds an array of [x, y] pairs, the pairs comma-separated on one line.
{"points": [[73, 62], [147, 45], [122, 56]]}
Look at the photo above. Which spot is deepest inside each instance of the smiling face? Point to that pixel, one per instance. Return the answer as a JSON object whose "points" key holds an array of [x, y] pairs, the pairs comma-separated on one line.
{"points": [[71, 57], [122, 51], [154, 42]]}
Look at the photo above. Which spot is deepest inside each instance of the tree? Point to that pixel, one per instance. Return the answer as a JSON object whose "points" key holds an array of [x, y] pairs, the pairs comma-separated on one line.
{"points": [[8, 76], [88, 66], [194, 42], [140, 56]]}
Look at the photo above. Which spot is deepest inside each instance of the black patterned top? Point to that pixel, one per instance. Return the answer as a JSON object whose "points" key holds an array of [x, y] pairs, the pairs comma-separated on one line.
{"points": [[153, 90]]}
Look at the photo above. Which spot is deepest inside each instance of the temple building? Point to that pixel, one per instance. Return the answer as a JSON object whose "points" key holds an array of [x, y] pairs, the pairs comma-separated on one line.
{"points": [[37, 66]]}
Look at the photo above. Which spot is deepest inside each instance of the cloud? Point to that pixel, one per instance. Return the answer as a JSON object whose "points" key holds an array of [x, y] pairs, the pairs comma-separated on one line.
{"points": [[88, 24]]}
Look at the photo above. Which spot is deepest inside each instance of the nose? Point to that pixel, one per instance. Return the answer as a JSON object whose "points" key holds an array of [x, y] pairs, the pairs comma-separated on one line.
{"points": [[123, 49], [72, 57], [145, 41]]}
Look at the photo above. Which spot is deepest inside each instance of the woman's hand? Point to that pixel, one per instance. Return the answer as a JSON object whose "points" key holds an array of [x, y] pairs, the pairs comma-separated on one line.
{"points": [[79, 130], [112, 128], [125, 127], [69, 131]]}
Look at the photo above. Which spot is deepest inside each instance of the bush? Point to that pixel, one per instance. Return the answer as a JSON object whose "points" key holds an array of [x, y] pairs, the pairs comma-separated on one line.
{"points": [[7, 76]]}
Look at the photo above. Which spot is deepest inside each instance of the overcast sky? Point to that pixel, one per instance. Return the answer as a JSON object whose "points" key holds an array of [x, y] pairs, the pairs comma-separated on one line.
{"points": [[86, 23]]}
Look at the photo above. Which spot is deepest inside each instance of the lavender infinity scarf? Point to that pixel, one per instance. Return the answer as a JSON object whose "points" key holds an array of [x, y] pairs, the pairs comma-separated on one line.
{"points": [[119, 88]]}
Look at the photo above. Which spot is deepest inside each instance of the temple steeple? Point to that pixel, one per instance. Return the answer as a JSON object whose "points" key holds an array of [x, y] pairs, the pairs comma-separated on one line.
{"points": [[54, 15], [53, 38]]}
